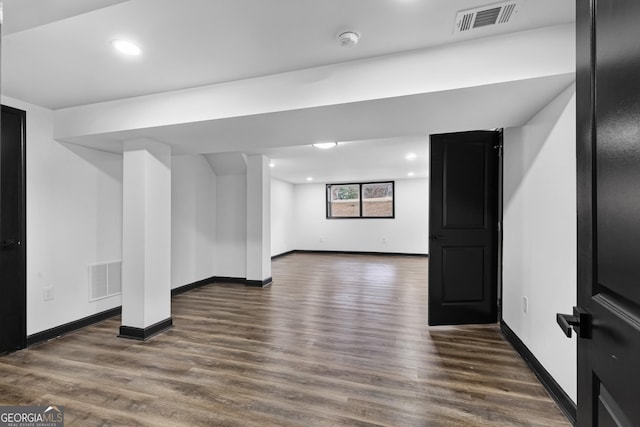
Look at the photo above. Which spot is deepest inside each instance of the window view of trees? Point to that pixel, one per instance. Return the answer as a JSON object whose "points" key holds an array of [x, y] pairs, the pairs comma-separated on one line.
{"points": [[345, 201], [347, 192], [378, 200]]}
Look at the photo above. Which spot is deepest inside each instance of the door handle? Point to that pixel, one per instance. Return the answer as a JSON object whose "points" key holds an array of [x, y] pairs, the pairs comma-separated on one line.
{"points": [[580, 322], [436, 236], [567, 322], [9, 243]]}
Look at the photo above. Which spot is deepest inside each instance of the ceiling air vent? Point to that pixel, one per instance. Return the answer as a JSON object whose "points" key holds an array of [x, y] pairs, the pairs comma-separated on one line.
{"points": [[499, 13]]}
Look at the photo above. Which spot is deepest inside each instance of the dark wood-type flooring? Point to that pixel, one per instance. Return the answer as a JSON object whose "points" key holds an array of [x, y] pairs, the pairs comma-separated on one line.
{"points": [[336, 341]]}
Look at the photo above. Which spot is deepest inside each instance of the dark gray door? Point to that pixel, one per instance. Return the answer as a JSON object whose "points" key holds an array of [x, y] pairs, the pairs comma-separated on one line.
{"points": [[13, 295], [608, 136], [463, 243]]}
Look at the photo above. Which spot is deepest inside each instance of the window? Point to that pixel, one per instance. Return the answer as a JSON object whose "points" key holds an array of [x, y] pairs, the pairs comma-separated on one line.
{"points": [[360, 200]]}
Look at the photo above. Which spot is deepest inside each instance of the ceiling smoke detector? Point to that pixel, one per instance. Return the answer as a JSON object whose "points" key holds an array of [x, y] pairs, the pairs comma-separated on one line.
{"points": [[348, 38]]}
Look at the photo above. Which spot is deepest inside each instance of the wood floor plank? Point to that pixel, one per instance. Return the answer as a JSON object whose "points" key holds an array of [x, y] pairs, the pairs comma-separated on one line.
{"points": [[337, 340]]}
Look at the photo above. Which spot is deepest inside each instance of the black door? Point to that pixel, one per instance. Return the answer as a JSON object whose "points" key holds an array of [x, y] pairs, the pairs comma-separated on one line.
{"points": [[463, 228], [608, 147], [13, 294]]}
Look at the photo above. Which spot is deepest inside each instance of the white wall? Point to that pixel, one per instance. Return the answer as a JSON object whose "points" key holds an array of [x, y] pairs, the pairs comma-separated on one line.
{"points": [[193, 220], [74, 218], [540, 234], [231, 226], [282, 222], [406, 233]]}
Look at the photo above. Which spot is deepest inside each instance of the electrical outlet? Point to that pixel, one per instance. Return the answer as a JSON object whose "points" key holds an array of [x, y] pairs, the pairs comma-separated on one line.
{"points": [[321, 239], [384, 240], [525, 305], [47, 293]]}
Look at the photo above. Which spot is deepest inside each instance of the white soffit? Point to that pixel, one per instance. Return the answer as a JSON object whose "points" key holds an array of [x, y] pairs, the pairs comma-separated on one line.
{"points": [[483, 107], [521, 56], [228, 163]]}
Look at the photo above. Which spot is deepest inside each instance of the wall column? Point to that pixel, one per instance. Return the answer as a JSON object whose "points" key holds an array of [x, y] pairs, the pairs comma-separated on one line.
{"points": [[146, 239], [258, 221]]}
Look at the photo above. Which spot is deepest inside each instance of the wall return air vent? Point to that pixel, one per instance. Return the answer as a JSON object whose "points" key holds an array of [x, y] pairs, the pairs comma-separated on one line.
{"points": [[493, 14], [105, 280]]}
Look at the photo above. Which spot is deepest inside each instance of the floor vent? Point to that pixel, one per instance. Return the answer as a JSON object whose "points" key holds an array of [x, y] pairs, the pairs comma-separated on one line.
{"points": [[105, 280], [494, 14]]}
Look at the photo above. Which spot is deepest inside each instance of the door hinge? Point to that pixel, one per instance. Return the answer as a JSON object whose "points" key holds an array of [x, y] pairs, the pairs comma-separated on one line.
{"points": [[499, 227]]}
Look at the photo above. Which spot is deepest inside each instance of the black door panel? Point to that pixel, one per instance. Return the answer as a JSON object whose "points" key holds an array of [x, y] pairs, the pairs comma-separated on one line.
{"points": [[608, 149], [12, 231], [463, 226]]}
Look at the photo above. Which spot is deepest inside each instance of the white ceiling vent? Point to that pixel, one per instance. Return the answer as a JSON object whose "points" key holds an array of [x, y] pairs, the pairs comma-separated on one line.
{"points": [[498, 13]]}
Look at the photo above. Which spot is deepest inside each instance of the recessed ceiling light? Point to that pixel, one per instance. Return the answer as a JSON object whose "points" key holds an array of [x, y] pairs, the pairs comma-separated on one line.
{"points": [[410, 156], [126, 47], [272, 165], [325, 145], [410, 174], [309, 178]]}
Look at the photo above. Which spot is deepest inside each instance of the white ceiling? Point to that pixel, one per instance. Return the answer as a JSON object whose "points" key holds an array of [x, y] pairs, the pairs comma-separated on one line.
{"points": [[57, 54], [368, 160], [26, 14]]}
